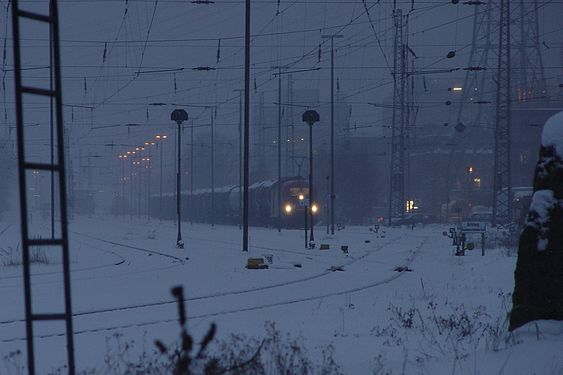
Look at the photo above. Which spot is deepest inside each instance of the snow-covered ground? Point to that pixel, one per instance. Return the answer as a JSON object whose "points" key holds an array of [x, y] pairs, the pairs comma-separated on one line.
{"points": [[444, 315]]}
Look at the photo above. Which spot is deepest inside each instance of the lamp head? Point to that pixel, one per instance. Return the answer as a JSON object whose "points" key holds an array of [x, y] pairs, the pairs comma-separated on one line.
{"points": [[179, 116], [310, 117]]}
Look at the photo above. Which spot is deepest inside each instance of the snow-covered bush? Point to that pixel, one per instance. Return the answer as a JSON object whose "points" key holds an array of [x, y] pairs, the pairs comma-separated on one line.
{"points": [[441, 330]]}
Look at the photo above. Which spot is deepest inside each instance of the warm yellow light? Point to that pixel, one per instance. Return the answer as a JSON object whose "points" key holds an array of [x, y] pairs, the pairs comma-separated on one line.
{"points": [[409, 206], [301, 197], [147, 143], [457, 89], [314, 208], [157, 136], [288, 208], [164, 136]]}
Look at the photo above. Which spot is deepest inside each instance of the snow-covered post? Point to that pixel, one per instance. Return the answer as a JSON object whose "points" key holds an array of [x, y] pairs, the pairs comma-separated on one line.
{"points": [[538, 292]]}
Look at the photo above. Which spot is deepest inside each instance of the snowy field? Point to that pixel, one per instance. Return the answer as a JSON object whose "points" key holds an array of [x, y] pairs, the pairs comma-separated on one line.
{"points": [[443, 315]]}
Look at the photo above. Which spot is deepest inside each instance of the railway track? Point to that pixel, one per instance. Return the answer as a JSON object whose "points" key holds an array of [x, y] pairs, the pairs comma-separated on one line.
{"points": [[135, 248], [350, 290]]}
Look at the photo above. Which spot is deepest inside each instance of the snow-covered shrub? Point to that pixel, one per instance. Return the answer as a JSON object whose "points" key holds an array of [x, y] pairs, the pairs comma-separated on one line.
{"points": [[277, 354], [445, 329], [273, 354]]}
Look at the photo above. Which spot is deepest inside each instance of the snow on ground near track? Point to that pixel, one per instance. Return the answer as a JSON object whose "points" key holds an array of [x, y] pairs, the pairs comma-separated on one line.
{"points": [[439, 318]]}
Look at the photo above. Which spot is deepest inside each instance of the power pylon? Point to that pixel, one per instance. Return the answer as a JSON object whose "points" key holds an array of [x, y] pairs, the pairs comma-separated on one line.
{"points": [[475, 84], [528, 75], [502, 187], [397, 170], [519, 75]]}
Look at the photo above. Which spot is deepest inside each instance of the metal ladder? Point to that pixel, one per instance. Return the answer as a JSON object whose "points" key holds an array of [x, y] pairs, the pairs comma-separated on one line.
{"points": [[57, 167]]}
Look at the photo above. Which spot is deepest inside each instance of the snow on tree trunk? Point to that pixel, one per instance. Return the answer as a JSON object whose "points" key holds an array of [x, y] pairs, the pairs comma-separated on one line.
{"points": [[538, 291]]}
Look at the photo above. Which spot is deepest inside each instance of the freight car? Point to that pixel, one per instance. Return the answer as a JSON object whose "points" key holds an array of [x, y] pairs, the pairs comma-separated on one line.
{"points": [[223, 205]]}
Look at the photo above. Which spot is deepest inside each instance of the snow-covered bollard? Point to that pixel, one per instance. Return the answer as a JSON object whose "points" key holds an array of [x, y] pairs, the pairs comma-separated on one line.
{"points": [[538, 290]]}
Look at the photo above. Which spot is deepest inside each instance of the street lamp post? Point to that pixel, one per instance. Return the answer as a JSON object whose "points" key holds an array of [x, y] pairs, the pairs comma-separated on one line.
{"points": [[179, 116], [160, 137], [310, 117], [148, 177], [279, 141], [139, 181], [131, 174], [149, 166], [122, 185], [212, 173], [327, 214], [139, 186]]}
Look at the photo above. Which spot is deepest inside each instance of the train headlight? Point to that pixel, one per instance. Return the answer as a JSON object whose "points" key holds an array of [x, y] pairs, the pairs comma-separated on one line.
{"points": [[314, 208], [288, 208]]}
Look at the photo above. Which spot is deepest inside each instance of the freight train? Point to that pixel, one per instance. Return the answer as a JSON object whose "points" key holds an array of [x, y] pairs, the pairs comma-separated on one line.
{"points": [[223, 205]]}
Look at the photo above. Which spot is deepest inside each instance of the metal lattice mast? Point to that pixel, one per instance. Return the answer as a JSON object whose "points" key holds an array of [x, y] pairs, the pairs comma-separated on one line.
{"points": [[528, 75], [519, 77], [397, 170], [27, 165], [502, 183], [475, 84]]}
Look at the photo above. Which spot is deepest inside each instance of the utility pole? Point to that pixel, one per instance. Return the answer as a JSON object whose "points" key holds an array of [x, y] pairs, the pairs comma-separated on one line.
{"points": [[192, 173], [240, 156], [161, 146], [292, 122], [279, 141], [332, 195], [279, 147], [397, 170], [246, 123]]}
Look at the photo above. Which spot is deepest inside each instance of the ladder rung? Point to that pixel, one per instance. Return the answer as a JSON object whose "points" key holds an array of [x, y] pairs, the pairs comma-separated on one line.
{"points": [[42, 166], [48, 316], [37, 91], [45, 242], [34, 16]]}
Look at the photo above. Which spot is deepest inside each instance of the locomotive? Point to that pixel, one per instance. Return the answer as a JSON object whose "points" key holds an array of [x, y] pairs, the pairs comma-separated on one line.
{"points": [[223, 205]]}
